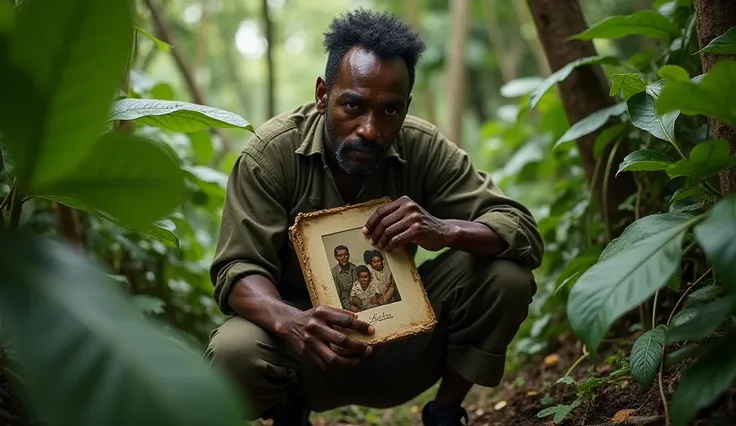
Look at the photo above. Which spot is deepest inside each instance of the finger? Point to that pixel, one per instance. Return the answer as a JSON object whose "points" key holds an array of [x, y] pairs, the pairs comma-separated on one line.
{"points": [[404, 237], [348, 321], [379, 214], [379, 232], [394, 230], [330, 359], [342, 340]]}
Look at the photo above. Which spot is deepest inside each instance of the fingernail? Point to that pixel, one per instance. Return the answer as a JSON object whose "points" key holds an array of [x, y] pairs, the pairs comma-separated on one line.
{"points": [[365, 229], [372, 243], [368, 350], [371, 329]]}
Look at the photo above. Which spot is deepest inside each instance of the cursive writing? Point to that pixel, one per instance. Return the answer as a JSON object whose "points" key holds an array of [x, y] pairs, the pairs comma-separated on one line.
{"points": [[383, 316]]}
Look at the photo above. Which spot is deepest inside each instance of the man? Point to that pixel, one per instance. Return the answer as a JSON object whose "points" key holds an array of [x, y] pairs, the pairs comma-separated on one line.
{"points": [[344, 274], [355, 143]]}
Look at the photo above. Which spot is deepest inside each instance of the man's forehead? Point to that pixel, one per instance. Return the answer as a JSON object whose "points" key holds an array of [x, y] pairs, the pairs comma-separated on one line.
{"points": [[361, 68]]}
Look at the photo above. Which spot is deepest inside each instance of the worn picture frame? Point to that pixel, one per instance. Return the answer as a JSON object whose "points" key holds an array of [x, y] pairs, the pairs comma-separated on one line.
{"points": [[341, 269]]}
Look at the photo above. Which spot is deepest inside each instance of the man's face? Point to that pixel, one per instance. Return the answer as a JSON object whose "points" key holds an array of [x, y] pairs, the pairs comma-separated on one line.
{"points": [[342, 256], [364, 110]]}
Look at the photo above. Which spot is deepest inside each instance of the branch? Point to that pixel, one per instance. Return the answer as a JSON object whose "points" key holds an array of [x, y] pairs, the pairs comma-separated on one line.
{"points": [[166, 35]]}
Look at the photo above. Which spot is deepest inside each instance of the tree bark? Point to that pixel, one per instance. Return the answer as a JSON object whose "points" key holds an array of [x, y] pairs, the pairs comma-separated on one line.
{"points": [[524, 18], [713, 18], [456, 71], [271, 71], [584, 92]]}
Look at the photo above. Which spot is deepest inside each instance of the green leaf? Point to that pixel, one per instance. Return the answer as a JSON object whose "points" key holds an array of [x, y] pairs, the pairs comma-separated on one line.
{"points": [[704, 322], [644, 116], [706, 159], [162, 45], [57, 81], [175, 115], [685, 193], [228, 162], [673, 72], [716, 234], [629, 84], [705, 294], [204, 150], [133, 180], [208, 175], [564, 72], [7, 16], [646, 23], [703, 382], [146, 304], [712, 96], [643, 228], [645, 160], [646, 355], [724, 44], [606, 137], [590, 123], [99, 360], [624, 280], [519, 87], [165, 230]]}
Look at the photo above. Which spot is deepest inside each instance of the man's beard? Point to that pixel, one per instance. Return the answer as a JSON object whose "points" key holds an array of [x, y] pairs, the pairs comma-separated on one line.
{"points": [[341, 150]]}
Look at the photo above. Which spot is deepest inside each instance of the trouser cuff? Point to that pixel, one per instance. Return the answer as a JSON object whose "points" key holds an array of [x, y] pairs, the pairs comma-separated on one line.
{"points": [[476, 366]]}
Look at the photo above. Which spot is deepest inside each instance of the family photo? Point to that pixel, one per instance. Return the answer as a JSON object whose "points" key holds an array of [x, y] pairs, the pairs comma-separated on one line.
{"points": [[361, 273]]}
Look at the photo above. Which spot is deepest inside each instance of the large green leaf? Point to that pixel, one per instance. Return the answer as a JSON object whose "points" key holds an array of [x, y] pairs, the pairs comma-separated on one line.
{"points": [[57, 81], [646, 355], [564, 72], [134, 180], [717, 236], [712, 96], [624, 280], [704, 322], [645, 160], [591, 123], [646, 23], [643, 228], [176, 115], [704, 381], [98, 362], [627, 85], [644, 116], [674, 72], [706, 159], [724, 44]]}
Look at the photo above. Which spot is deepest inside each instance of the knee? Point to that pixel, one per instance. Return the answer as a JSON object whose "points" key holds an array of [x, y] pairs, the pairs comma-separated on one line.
{"points": [[509, 283], [255, 361]]}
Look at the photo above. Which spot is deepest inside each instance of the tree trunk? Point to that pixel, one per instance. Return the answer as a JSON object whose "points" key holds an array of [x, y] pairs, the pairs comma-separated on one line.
{"points": [[715, 17], [584, 92], [524, 18], [271, 84], [456, 71]]}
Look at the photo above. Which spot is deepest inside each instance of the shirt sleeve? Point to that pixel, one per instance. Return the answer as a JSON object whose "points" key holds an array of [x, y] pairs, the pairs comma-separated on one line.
{"points": [[254, 225], [455, 189]]}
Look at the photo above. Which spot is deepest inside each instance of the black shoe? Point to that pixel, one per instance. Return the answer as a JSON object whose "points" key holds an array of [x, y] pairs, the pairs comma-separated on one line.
{"points": [[294, 414], [448, 417]]}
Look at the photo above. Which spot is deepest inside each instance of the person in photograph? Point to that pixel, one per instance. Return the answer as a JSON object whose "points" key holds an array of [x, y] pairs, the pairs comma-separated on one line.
{"points": [[356, 141], [343, 273], [382, 276], [364, 294]]}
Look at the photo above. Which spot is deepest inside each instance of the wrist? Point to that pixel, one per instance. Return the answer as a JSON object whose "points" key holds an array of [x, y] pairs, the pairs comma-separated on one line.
{"points": [[452, 235]]}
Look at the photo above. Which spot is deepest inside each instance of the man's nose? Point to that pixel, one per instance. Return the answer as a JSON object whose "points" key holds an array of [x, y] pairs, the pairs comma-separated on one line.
{"points": [[368, 129]]}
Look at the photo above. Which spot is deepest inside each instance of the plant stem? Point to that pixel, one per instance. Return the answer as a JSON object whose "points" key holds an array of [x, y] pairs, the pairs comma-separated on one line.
{"points": [[577, 362], [664, 347], [654, 309], [16, 203], [604, 197]]}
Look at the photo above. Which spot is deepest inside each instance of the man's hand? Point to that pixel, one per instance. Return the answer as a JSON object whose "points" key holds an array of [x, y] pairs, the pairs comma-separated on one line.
{"points": [[403, 221], [311, 333]]}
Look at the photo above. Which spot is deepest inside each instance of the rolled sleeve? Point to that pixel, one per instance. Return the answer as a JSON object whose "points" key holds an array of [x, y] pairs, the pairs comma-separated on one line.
{"points": [[253, 226], [459, 191]]}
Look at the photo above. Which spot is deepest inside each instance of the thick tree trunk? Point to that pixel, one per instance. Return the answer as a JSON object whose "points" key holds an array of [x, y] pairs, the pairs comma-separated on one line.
{"points": [[455, 69], [584, 92], [715, 17]]}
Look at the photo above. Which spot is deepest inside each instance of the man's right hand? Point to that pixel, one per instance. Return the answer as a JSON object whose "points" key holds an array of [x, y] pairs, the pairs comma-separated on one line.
{"points": [[310, 334]]}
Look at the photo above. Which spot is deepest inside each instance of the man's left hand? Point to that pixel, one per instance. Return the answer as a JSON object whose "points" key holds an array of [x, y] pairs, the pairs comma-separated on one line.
{"points": [[403, 221]]}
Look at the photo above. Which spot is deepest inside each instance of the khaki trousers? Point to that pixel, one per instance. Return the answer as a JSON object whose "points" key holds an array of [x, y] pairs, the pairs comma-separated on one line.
{"points": [[479, 304]]}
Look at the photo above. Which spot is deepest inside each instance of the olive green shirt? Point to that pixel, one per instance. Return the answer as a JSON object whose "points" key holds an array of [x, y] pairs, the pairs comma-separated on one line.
{"points": [[282, 172]]}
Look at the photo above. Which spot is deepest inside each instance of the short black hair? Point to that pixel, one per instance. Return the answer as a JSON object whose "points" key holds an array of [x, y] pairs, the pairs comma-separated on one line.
{"points": [[341, 247], [368, 255], [379, 32], [362, 268]]}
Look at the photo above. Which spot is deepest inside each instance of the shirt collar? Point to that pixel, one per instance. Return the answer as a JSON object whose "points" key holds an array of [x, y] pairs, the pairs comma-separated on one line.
{"points": [[313, 141]]}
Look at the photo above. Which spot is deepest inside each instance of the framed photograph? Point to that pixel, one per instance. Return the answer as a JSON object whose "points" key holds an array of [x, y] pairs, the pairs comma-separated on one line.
{"points": [[343, 270]]}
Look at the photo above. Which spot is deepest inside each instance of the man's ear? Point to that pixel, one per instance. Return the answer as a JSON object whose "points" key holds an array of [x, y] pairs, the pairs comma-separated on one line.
{"points": [[320, 94], [408, 102]]}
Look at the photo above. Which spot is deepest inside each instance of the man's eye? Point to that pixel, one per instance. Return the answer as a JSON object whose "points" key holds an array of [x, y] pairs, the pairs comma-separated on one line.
{"points": [[350, 105], [392, 111]]}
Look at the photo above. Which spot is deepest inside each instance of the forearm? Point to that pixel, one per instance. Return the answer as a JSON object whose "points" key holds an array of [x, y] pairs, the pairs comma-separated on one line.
{"points": [[256, 299], [474, 238]]}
